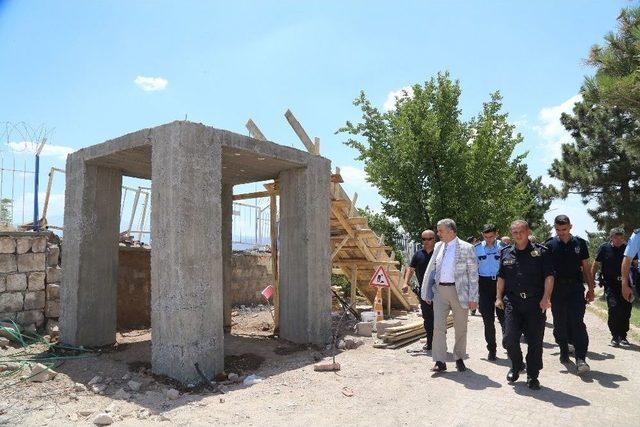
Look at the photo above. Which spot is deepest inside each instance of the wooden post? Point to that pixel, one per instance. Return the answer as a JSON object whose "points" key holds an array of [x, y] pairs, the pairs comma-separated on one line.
{"points": [[354, 285], [273, 214]]}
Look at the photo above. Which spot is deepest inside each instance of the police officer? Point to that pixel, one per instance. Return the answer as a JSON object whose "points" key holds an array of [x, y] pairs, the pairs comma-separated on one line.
{"points": [[419, 264], [570, 256], [610, 256], [525, 280], [488, 253], [632, 250]]}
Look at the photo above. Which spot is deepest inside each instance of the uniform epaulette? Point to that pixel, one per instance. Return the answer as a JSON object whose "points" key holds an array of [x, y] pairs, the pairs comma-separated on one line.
{"points": [[506, 247], [477, 244], [546, 248], [549, 239], [580, 239]]}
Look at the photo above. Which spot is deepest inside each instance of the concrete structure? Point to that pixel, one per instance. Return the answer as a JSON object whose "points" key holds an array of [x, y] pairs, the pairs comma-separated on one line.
{"points": [[193, 169]]}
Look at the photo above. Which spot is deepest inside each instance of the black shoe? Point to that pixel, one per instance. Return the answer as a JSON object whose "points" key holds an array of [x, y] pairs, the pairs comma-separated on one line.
{"points": [[460, 365], [533, 383], [426, 347], [513, 375], [625, 342], [439, 367], [564, 356], [615, 342], [492, 356]]}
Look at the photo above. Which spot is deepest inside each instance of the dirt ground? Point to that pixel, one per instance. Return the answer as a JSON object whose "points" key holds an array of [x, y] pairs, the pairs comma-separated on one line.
{"points": [[374, 386]]}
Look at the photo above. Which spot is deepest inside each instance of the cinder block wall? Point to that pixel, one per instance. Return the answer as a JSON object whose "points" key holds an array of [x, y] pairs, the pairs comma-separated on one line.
{"points": [[251, 274], [30, 275]]}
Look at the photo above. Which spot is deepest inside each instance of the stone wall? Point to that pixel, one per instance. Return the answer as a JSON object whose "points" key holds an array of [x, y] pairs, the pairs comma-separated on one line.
{"points": [[134, 287], [30, 276]]}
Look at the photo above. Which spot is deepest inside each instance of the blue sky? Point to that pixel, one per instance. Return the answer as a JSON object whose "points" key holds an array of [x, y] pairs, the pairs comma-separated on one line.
{"points": [[73, 65]]}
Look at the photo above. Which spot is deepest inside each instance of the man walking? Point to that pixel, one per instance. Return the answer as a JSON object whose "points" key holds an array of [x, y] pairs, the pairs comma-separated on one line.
{"points": [[610, 256], [525, 279], [454, 269], [632, 250], [418, 265], [488, 253], [570, 256]]}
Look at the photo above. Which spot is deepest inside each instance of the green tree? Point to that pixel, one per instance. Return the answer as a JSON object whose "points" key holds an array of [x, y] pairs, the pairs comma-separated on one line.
{"points": [[6, 218], [428, 163], [596, 164], [617, 63]]}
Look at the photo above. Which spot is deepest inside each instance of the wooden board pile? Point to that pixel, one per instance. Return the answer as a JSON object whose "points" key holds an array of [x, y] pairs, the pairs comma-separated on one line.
{"points": [[399, 336]]}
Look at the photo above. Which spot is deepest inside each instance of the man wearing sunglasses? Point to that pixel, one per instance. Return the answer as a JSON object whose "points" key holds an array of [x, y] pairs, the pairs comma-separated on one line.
{"points": [[418, 266]]}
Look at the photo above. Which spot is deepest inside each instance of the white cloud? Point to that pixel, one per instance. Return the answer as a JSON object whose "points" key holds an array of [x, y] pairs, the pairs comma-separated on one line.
{"points": [[354, 176], [151, 84], [393, 96], [30, 147], [551, 130]]}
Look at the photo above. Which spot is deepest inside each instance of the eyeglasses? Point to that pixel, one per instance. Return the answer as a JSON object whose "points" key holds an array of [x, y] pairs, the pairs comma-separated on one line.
{"points": [[428, 238]]}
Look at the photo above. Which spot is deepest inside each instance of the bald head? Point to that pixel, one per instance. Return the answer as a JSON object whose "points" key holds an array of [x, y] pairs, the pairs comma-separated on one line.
{"points": [[428, 240]]}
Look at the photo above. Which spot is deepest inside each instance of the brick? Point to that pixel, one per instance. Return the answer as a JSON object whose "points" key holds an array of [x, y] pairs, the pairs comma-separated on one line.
{"points": [[7, 245], [53, 291], [11, 302], [53, 256], [54, 274], [8, 263], [31, 317], [23, 244], [31, 262], [36, 281], [16, 282], [34, 300], [39, 244], [52, 308]]}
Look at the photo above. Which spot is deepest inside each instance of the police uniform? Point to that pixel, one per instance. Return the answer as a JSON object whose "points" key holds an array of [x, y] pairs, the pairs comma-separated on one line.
{"points": [[488, 266], [524, 273], [619, 309], [632, 251], [419, 262], [568, 303]]}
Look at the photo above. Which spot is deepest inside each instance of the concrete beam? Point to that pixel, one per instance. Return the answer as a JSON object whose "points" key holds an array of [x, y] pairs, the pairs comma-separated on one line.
{"points": [[90, 281], [186, 260]]}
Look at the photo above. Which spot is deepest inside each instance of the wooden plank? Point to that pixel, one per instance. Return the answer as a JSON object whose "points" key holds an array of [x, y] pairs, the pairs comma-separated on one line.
{"points": [[340, 245], [302, 134], [352, 209], [354, 285], [254, 195], [273, 224], [254, 130], [359, 262]]}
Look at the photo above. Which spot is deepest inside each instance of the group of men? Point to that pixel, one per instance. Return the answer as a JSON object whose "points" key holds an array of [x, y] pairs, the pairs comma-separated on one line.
{"points": [[518, 283]]}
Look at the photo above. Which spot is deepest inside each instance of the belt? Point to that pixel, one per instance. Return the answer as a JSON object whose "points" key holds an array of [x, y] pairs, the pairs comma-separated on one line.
{"points": [[525, 295], [489, 277], [447, 284]]}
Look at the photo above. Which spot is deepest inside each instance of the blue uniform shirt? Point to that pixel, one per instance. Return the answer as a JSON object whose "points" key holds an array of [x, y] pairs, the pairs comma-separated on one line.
{"points": [[633, 247], [488, 258]]}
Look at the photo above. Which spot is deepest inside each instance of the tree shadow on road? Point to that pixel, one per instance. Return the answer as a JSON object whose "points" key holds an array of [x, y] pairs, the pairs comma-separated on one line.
{"points": [[556, 398], [470, 380]]}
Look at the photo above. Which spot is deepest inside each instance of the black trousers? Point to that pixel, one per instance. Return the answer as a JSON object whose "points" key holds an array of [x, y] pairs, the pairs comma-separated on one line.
{"points": [[488, 310], [427, 316], [619, 312], [524, 315], [568, 306]]}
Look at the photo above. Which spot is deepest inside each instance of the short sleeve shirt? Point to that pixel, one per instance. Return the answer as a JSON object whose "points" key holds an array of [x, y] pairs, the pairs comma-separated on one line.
{"points": [[633, 247], [567, 257], [525, 270], [611, 259], [419, 262], [488, 258]]}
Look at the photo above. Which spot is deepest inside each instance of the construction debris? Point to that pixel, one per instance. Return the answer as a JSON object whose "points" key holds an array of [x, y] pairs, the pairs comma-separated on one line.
{"points": [[326, 367], [41, 373]]}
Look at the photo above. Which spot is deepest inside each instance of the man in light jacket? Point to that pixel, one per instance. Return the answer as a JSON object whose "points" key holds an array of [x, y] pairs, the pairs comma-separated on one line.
{"points": [[452, 285]]}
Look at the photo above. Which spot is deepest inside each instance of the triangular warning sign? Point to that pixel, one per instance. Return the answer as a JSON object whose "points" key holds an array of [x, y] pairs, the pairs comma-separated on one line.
{"points": [[380, 279]]}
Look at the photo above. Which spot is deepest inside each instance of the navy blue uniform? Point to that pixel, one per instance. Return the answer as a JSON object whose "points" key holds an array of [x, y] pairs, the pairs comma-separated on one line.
{"points": [[488, 266], [567, 301], [419, 262], [619, 309], [524, 273]]}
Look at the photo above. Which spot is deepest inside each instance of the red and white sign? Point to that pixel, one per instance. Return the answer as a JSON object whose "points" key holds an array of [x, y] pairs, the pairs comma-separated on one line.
{"points": [[380, 279]]}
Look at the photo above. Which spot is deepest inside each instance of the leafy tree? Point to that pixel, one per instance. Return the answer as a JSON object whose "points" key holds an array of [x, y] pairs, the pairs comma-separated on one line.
{"points": [[617, 64], [596, 164], [428, 163], [382, 225], [6, 218]]}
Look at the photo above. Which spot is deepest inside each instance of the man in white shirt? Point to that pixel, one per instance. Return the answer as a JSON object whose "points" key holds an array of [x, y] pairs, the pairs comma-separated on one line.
{"points": [[452, 285]]}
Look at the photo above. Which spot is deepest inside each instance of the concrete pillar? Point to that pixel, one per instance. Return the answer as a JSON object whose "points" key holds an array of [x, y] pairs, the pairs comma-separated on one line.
{"points": [[305, 258], [227, 267], [186, 258], [90, 281]]}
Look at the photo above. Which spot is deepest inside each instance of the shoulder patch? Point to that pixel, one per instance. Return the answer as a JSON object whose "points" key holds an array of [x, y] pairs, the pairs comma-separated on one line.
{"points": [[477, 244]]}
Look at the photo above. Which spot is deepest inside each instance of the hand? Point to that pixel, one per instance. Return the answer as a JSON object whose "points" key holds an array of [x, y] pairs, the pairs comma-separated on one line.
{"points": [[499, 304], [627, 293], [545, 303], [473, 305], [428, 301], [405, 288], [590, 296]]}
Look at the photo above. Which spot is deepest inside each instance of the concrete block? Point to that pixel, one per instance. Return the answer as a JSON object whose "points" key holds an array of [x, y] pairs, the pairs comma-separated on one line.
{"points": [[7, 245], [52, 308], [23, 244], [31, 262], [39, 244], [34, 300], [53, 256], [36, 281], [11, 302], [53, 291], [3, 284], [54, 274], [8, 263], [31, 317], [364, 329], [16, 282]]}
